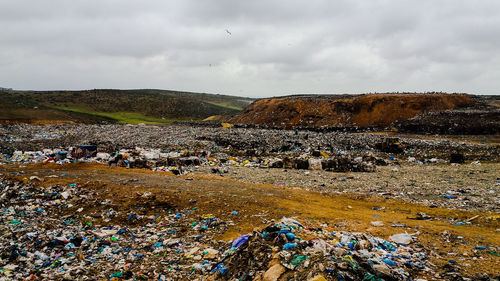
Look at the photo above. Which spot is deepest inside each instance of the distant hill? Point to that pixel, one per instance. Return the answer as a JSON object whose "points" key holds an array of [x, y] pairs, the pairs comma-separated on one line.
{"points": [[370, 110], [114, 106]]}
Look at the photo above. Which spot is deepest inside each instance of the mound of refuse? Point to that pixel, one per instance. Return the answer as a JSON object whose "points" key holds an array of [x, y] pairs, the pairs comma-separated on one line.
{"points": [[370, 110], [74, 232], [55, 233], [258, 142], [176, 162], [68, 232], [456, 122], [278, 252]]}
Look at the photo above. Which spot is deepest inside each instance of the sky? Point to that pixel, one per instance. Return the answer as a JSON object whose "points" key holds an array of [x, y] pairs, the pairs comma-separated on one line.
{"points": [[257, 48]]}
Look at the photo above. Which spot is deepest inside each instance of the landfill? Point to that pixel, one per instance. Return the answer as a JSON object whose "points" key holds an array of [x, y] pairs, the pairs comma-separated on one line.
{"points": [[339, 255], [50, 233], [233, 141], [309, 165], [55, 226]]}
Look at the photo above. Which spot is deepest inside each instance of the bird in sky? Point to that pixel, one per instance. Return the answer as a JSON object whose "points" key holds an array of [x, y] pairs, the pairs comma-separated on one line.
{"points": [[228, 32]]}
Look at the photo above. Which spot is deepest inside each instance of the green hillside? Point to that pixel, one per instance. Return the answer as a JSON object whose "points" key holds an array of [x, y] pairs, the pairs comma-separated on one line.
{"points": [[115, 106]]}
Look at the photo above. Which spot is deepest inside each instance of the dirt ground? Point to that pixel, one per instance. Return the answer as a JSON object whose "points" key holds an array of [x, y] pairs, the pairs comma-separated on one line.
{"points": [[472, 186], [259, 202]]}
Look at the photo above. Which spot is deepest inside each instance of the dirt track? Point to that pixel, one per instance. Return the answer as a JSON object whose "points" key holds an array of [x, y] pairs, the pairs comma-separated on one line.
{"points": [[258, 202]]}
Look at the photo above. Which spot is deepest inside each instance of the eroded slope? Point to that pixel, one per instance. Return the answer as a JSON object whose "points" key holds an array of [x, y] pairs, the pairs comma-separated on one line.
{"points": [[371, 110]]}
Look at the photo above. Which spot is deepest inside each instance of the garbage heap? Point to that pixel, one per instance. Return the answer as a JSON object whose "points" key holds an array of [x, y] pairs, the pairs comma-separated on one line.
{"points": [[281, 251], [176, 161], [69, 232], [262, 141]]}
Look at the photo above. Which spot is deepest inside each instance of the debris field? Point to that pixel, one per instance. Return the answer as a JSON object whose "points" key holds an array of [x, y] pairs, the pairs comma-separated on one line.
{"points": [[120, 202]]}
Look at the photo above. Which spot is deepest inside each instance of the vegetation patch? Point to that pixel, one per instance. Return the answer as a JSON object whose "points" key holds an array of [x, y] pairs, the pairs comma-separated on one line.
{"points": [[148, 106], [121, 117], [228, 106]]}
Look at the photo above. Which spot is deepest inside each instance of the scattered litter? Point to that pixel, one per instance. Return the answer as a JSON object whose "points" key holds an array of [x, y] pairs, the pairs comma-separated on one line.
{"points": [[377, 223]]}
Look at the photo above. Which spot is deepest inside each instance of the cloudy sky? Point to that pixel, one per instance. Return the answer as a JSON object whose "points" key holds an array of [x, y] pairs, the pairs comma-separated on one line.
{"points": [[252, 48]]}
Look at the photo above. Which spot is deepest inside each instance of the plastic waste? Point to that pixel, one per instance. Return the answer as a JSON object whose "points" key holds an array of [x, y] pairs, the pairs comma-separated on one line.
{"points": [[289, 246], [401, 238], [240, 240]]}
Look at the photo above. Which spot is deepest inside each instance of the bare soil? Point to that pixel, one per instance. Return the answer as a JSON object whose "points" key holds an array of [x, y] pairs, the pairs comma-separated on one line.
{"points": [[369, 110]]}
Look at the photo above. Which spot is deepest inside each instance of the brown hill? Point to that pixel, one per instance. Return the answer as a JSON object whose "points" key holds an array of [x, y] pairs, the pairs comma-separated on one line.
{"points": [[369, 110]]}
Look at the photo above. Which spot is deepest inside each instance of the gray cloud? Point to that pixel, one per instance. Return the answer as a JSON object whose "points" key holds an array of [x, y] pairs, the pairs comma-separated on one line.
{"points": [[275, 47]]}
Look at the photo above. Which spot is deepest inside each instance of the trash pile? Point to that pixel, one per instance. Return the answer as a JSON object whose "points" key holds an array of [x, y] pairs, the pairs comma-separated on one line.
{"points": [[178, 161], [260, 142], [281, 250], [458, 121], [72, 232], [67, 232]]}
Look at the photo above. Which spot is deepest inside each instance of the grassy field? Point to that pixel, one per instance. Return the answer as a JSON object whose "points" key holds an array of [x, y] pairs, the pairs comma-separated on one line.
{"points": [[228, 106], [121, 117], [147, 106]]}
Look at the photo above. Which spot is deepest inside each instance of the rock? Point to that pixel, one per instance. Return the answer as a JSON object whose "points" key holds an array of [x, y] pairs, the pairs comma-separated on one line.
{"points": [[274, 272]]}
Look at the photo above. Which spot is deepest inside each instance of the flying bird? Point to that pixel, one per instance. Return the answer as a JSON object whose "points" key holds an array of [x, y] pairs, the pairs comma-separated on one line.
{"points": [[228, 32]]}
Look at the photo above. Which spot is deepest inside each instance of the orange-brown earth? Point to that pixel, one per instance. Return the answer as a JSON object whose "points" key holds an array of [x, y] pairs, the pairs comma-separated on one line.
{"points": [[379, 110], [255, 202]]}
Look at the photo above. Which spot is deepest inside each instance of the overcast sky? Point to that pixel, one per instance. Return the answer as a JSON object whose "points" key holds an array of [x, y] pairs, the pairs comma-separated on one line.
{"points": [[252, 48]]}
